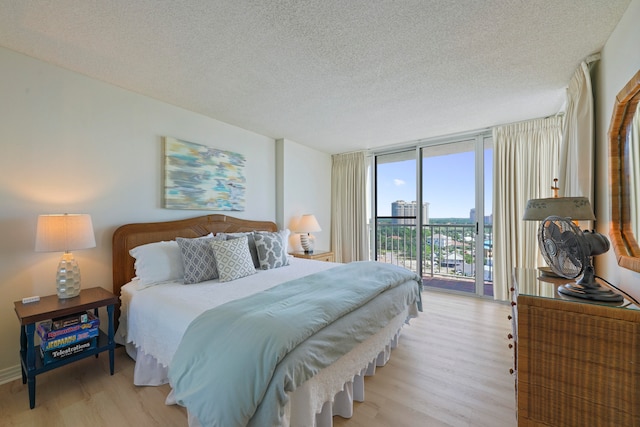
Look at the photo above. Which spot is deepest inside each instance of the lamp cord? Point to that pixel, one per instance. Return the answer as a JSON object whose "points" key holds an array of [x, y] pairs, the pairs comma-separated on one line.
{"points": [[629, 297]]}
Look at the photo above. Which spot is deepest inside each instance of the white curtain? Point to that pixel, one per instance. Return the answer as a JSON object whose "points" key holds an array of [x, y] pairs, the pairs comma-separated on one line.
{"points": [[525, 162], [349, 214], [576, 160]]}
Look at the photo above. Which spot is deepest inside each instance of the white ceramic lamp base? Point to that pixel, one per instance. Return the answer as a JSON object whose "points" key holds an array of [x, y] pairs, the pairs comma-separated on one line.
{"points": [[307, 241], [68, 277]]}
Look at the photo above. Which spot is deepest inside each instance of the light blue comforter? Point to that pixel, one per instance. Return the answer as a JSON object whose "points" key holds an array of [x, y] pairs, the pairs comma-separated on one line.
{"points": [[230, 357]]}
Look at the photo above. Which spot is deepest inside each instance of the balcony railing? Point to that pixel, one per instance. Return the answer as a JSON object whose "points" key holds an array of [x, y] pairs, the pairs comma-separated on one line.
{"points": [[448, 250]]}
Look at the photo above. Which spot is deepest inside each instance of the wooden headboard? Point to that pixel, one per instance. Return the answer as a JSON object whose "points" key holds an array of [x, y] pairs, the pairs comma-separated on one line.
{"points": [[129, 236]]}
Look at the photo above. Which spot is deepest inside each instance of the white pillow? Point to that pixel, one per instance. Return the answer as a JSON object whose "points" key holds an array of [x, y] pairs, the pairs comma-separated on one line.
{"points": [[157, 262], [233, 258]]}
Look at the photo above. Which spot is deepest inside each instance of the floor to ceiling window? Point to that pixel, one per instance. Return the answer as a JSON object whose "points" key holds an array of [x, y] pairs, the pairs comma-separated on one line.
{"points": [[445, 187], [395, 209]]}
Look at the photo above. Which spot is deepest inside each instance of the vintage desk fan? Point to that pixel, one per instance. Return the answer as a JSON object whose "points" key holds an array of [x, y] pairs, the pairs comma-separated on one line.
{"points": [[568, 251]]}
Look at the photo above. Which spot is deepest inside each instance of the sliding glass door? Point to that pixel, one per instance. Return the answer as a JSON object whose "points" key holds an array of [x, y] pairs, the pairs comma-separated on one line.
{"points": [[395, 205], [433, 212], [457, 237]]}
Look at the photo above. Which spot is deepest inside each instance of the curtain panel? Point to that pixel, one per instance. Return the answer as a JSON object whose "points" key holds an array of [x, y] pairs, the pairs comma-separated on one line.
{"points": [[348, 206], [578, 141], [525, 162]]}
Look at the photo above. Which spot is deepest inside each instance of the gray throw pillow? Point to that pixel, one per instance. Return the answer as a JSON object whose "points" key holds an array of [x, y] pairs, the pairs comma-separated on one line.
{"points": [[271, 249], [198, 259]]}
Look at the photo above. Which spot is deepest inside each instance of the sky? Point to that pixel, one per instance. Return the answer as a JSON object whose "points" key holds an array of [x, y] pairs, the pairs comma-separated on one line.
{"points": [[448, 184]]}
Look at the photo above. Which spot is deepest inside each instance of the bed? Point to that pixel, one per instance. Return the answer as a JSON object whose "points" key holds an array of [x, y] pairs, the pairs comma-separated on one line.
{"points": [[162, 322]]}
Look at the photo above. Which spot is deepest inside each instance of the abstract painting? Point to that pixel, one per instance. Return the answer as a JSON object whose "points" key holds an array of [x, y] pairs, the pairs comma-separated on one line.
{"points": [[200, 177]]}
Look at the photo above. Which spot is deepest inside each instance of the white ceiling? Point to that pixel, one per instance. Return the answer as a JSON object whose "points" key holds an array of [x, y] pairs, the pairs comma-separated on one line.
{"points": [[336, 75]]}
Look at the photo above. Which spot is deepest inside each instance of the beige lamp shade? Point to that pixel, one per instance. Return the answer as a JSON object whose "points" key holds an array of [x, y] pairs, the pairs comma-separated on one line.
{"points": [[307, 224], [576, 208], [64, 233]]}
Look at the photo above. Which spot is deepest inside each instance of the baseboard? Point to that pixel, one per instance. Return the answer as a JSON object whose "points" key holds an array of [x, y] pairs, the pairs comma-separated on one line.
{"points": [[10, 374]]}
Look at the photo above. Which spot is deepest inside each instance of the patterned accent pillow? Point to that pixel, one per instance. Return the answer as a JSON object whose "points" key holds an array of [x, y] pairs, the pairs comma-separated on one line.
{"points": [[198, 259], [233, 258], [250, 241], [158, 262], [272, 252], [285, 233]]}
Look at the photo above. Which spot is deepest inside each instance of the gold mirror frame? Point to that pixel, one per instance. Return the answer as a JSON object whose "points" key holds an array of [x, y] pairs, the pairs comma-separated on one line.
{"points": [[621, 234]]}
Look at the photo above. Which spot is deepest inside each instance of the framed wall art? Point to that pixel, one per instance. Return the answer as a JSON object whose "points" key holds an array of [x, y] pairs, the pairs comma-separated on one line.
{"points": [[200, 177]]}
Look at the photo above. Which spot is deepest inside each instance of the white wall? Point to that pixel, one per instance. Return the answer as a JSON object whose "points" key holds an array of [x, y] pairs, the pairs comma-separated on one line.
{"points": [[74, 144], [304, 187], [619, 62]]}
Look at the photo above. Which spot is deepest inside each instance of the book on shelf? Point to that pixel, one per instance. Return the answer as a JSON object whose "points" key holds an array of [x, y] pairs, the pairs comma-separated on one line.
{"points": [[70, 338], [47, 332], [71, 320], [54, 355]]}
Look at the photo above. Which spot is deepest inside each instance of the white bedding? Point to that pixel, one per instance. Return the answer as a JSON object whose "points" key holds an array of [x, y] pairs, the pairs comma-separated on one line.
{"points": [[154, 319]]}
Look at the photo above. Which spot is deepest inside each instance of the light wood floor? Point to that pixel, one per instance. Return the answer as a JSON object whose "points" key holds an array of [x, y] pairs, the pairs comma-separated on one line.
{"points": [[450, 369]]}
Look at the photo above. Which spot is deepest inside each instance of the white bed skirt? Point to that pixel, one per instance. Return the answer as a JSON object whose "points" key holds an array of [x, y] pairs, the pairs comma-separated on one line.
{"points": [[330, 392]]}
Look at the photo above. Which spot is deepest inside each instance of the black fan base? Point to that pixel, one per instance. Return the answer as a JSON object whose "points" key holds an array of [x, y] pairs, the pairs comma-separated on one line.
{"points": [[592, 293]]}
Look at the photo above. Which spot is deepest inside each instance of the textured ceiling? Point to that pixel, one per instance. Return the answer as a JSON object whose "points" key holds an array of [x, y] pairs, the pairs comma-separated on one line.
{"points": [[336, 75]]}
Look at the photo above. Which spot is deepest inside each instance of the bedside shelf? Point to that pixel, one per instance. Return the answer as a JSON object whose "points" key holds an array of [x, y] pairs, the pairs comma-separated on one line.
{"points": [[50, 307]]}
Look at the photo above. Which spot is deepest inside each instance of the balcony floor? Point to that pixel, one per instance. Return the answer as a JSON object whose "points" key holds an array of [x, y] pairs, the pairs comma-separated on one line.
{"points": [[453, 284]]}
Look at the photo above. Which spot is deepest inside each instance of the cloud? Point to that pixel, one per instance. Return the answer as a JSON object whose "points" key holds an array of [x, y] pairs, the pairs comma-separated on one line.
{"points": [[398, 182]]}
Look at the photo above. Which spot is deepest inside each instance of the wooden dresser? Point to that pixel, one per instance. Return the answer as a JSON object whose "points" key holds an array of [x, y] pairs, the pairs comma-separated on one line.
{"points": [[576, 363]]}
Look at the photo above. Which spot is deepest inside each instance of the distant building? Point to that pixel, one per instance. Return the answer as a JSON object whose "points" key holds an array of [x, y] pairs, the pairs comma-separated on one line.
{"points": [[488, 220], [400, 208], [440, 240]]}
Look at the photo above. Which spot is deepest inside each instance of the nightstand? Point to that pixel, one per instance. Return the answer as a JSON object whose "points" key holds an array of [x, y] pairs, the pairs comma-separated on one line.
{"points": [[50, 307], [326, 256]]}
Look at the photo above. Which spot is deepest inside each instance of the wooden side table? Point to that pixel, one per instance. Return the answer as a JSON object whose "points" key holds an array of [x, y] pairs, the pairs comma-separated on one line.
{"points": [[326, 256], [51, 307]]}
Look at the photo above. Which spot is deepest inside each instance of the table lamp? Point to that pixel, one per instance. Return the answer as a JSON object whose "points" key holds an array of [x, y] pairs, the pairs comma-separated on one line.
{"points": [[64, 233], [576, 208], [307, 224]]}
